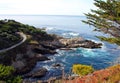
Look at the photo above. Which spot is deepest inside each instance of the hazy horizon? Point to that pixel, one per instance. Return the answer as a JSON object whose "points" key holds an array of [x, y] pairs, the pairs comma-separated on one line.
{"points": [[45, 7], [37, 15]]}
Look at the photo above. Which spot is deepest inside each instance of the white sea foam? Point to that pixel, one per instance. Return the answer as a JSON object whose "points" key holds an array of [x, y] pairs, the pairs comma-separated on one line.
{"points": [[50, 28], [74, 34], [47, 67], [52, 59], [46, 61], [71, 34], [88, 53]]}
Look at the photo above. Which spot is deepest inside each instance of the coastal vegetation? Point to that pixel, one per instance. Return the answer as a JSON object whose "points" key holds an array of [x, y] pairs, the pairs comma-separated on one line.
{"points": [[106, 19], [82, 70], [9, 29], [8, 37], [6, 75], [23, 58]]}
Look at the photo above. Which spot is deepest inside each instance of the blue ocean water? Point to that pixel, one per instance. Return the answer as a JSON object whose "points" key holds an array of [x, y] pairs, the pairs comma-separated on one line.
{"points": [[70, 26]]}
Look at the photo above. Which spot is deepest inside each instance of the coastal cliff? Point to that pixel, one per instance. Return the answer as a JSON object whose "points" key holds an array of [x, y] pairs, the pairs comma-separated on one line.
{"points": [[37, 44]]}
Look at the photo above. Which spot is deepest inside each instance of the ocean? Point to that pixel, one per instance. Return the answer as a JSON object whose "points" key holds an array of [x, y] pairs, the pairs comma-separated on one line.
{"points": [[70, 26]]}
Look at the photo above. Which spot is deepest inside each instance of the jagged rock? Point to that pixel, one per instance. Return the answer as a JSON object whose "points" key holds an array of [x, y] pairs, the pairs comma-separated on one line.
{"points": [[28, 64], [44, 51], [79, 42], [52, 45], [29, 52], [69, 41], [37, 74], [40, 57], [18, 64], [56, 43], [56, 65], [25, 57], [49, 46]]}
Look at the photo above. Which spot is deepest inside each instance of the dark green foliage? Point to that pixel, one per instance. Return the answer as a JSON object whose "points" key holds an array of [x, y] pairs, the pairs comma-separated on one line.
{"points": [[82, 69], [9, 37], [5, 71], [17, 79], [111, 40], [6, 75], [106, 18]]}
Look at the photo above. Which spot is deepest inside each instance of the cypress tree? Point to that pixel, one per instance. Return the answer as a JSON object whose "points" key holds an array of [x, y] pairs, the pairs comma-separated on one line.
{"points": [[106, 19]]}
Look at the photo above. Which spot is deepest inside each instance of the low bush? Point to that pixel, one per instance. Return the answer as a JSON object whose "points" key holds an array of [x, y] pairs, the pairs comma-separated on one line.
{"points": [[82, 70], [6, 75]]}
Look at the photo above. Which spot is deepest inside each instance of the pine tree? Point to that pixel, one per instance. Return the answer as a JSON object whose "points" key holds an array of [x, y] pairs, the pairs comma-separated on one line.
{"points": [[106, 19]]}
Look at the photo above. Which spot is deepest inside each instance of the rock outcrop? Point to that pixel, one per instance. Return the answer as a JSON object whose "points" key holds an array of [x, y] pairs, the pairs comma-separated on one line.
{"points": [[37, 74], [79, 42], [23, 58], [68, 41], [36, 53], [44, 51]]}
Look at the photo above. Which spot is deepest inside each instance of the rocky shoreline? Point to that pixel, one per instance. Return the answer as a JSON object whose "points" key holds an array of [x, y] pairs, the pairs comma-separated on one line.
{"points": [[27, 55], [47, 47]]}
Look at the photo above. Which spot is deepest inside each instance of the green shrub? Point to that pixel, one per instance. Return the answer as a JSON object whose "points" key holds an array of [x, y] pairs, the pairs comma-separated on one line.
{"points": [[82, 69], [17, 79], [6, 75], [5, 71]]}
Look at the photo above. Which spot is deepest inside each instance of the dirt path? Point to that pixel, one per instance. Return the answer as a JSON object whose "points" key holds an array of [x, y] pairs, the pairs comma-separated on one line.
{"points": [[23, 40]]}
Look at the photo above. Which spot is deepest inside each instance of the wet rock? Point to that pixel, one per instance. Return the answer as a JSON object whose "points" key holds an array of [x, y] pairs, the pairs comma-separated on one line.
{"points": [[40, 57], [44, 51], [37, 74], [56, 65], [49, 46], [91, 44]]}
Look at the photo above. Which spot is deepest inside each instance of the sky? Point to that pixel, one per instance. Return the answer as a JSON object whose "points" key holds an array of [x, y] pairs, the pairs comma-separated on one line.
{"points": [[46, 7]]}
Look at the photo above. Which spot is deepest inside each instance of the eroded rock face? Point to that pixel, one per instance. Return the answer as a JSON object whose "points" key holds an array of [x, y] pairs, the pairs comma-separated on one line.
{"points": [[18, 65], [40, 57], [25, 62], [26, 65], [26, 56], [44, 51], [36, 53], [37, 74], [69, 41], [79, 42], [57, 65]]}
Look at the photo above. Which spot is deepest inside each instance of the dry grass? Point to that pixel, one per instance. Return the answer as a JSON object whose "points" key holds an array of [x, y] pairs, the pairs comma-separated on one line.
{"points": [[108, 75], [34, 42]]}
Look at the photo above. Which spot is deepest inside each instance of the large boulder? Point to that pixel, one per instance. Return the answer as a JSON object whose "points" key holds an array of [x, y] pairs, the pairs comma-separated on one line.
{"points": [[56, 65], [27, 64], [40, 57], [37, 74]]}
